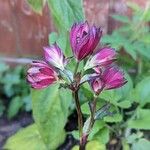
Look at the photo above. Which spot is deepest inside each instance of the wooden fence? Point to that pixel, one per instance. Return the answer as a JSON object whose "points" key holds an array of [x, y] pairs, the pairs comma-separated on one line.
{"points": [[23, 32]]}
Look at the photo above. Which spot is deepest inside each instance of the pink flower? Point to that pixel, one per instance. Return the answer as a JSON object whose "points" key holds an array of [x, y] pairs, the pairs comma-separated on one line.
{"points": [[103, 57], [41, 75], [113, 78], [97, 85], [55, 56], [84, 39], [110, 78]]}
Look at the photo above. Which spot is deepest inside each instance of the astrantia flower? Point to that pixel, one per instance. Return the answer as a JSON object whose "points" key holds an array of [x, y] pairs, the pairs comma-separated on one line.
{"points": [[113, 78], [110, 78], [84, 39], [41, 75], [55, 56], [103, 57], [97, 85]]}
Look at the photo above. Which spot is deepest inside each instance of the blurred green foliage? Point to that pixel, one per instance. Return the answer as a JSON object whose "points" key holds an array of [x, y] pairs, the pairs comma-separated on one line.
{"points": [[133, 35], [14, 91], [130, 103]]}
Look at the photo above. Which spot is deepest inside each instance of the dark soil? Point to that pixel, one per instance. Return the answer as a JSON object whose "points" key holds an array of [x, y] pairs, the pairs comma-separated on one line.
{"points": [[69, 143], [70, 126], [10, 127]]}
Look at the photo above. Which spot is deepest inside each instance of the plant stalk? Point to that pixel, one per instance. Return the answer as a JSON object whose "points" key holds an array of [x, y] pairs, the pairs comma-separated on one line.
{"points": [[76, 69], [84, 137], [79, 112], [93, 111], [83, 141]]}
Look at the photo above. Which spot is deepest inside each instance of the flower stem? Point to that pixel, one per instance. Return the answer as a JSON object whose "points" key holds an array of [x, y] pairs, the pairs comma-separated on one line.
{"points": [[84, 137], [79, 112], [93, 111], [76, 68], [83, 141]]}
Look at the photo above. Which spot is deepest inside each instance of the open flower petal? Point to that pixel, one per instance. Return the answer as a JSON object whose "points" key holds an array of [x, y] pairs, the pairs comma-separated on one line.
{"points": [[55, 56], [103, 57]]}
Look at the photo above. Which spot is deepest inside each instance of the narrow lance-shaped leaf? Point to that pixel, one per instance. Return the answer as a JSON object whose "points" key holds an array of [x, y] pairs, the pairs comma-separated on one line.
{"points": [[37, 5], [66, 12]]}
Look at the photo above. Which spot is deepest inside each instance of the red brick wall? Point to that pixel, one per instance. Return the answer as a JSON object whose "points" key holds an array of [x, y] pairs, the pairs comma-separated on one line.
{"points": [[24, 33]]}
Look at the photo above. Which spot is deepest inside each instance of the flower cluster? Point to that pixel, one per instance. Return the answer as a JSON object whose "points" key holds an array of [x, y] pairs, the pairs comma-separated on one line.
{"points": [[83, 40]]}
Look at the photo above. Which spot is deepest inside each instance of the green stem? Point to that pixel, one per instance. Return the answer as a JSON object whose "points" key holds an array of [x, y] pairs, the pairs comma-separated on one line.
{"points": [[76, 68], [79, 112], [94, 110], [84, 137]]}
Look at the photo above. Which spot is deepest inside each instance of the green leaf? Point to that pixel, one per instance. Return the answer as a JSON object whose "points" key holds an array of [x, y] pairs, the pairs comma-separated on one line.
{"points": [[85, 109], [134, 137], [98, 125], [62, 40], [14, 107], [87, 91], [92, 145], [123, 19], [146, 16], [142, 91], [50, 112], [27, 138], [95, 145], [142, 48], [115, 118], [125, 89], [102, 135], [53, 36], [133, 6], [37, 5], [141, 144], [126, 28], [124, 104], [130, 49], [116, 40], [146, 38], [125, 145], [27, 103], [66, 12], [142, 120], [75, 134], [110, 96]]}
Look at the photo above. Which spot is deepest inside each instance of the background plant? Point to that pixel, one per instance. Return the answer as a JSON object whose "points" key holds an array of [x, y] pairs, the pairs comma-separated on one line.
{"points": [[14, 92]]}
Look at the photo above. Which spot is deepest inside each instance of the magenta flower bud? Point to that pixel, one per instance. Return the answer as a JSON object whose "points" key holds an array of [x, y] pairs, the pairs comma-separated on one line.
{"points": [[103, 57], [111, 78], [97, 85], [84, 39], [41, 75], [55, 56]]}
